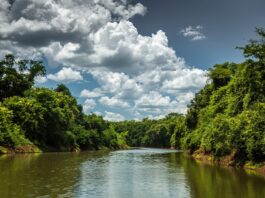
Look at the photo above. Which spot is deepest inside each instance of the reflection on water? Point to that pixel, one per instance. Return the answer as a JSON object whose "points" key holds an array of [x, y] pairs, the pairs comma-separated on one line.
{"points": [[41, 175], [135, 173]]}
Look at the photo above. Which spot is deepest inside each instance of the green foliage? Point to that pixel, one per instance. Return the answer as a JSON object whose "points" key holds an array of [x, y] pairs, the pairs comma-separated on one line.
{"points": [[220, 75], [179, 132], [110, 138], [256, 48], [18, 76], [227, 115], [85, 139], [44, 115], [157, 136], [200, 101], [49, 119], [28, 113], [10, 134], [153, 133], [234, 118], [95, 122], [122, 139], [62, 88]]}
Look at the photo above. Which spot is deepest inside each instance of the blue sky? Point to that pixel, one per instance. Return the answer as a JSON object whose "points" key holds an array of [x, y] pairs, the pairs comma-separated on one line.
{"points": [[226, 24], [129, 59]]}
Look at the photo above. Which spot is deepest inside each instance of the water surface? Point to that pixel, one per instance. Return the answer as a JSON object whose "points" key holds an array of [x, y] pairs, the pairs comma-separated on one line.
{"points": [[137, 173]]}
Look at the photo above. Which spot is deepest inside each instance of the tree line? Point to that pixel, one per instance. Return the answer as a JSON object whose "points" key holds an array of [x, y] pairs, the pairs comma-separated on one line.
{"points": [[226, 116], [49, 119]]}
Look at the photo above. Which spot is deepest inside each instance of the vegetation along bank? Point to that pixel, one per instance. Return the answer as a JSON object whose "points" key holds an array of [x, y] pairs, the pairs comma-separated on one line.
{"points": [[225, 121]]}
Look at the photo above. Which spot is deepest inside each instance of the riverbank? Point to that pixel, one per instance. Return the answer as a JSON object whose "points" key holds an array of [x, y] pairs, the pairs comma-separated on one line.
{"points": [[199, 156], [229, 161], [34, 149], [20, 149], [128, 173]]}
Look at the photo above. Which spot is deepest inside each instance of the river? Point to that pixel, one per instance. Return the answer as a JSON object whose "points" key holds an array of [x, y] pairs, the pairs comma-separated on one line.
{"points": [[136, 173]]}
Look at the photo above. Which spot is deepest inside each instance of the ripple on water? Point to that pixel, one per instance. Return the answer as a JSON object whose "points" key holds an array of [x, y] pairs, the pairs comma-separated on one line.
{"points": [[132, 173]]}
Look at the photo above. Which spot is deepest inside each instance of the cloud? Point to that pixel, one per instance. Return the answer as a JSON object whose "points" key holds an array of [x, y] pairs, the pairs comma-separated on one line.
{"points": [[65, 75], [60, 27], [152, 99], [151, 117], [59, 20], [40, 79], [113, 102], [36, 17], [160, 105], [194, 33], [158, 92], [89, 105], [97, 113], [110, 116], [117, 83], [119, 8], [119, 47], [95, 93], [141, 74], [185, 79]]}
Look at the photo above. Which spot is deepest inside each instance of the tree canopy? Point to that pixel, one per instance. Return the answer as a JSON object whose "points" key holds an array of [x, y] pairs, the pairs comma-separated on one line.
{"points": [[17, 76], [226, 116]]}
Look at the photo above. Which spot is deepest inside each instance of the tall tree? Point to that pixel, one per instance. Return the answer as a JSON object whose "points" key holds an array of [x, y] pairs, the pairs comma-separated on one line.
{"points": [[17, 76]]}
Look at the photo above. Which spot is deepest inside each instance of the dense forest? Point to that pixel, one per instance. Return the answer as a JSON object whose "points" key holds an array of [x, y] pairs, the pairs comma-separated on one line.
{"points": [[226, 117], [39, 118]]}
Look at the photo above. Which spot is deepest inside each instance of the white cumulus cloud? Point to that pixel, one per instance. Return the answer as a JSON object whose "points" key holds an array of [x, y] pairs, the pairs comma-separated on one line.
{"points": [[139, 73], [95, 93], [194, 33], [89, 105], [66, 75], [110, 116], [152, 99], [113, 102]]}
